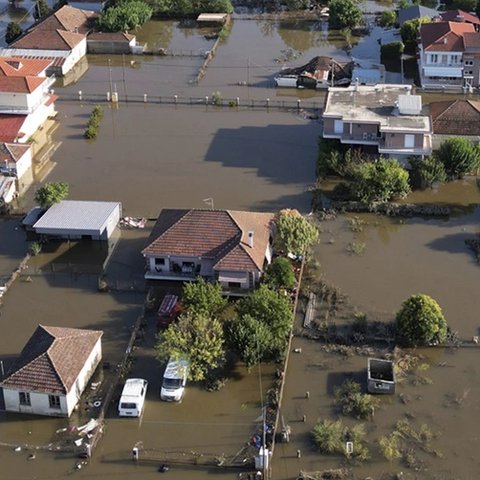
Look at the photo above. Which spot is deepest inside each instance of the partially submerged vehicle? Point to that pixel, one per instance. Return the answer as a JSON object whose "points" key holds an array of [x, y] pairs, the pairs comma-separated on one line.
{"points": [[381, 376], [168, 311], [174, 380], [320, 72], [133, 397]]}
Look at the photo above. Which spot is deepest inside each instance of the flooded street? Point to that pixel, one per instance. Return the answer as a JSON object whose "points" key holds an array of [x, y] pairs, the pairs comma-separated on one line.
{"points": [[153, 156]]}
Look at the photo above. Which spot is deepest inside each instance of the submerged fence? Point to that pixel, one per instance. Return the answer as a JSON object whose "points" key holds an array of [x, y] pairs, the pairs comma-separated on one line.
{"points": [[213, 102]]}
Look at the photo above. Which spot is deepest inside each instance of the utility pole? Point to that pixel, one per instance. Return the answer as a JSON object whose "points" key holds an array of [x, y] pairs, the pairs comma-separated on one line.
{"points": [[110, 75]]}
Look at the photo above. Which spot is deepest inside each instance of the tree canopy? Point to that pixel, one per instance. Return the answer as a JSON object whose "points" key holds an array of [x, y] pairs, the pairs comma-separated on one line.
{"points": [[279, 274], [295, 234], [459, 156], [189, 7], [410, 31], [388, 18], [274, 310], [125, 15], [420, 321], [204, 297], [41, 9], [380, 181], [14, 30], [199, 338], [344, 14], [429, 170], [50, 193]]}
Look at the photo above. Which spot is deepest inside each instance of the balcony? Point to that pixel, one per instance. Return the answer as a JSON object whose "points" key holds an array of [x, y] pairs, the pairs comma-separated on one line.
{"points": [[390, 148]]}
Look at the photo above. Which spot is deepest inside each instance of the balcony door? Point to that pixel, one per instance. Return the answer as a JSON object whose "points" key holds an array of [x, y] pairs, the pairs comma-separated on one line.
{"points": [[409, 141]]}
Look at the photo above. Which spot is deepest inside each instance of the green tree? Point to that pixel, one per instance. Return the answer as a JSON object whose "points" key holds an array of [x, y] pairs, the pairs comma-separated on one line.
{"points": [[388, 18], [296, 4], [429, 170], [251, 339], [41, 9], [14, 30], [410, 31], [459, 156], [344, 14], [295, 234], [124, 16], [204, 297], [420, 321], [390, 55], [216, 6], [197, 337], [50, 193], [274, 310], [279, 274], [380, 181], [465, 5]]}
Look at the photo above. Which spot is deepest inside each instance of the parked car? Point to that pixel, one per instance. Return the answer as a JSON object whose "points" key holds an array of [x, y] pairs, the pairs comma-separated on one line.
{"points": [[174, 380], [133, 397]]}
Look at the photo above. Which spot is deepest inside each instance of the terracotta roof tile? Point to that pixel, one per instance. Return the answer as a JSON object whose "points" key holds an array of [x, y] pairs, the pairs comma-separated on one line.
{"points": [[12, 152], [10, 126], [20, 84], [459, 16], [471, 40], [22, 67], [52, 359], [444, 36], [68, 18], [455, 117], [221, 235], [38, 39]]}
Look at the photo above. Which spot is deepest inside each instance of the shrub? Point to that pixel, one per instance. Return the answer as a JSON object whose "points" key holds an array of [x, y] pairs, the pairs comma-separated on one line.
{"points": [[50, 193], [217, 98], [14, 30], [459, 156], [428, 170], [125, 15], [279, 274], [94, 122], [344, 14], [35, 248], [390, 55], [388, 18], [420, 321], [295, 234], [353, 402], [410, 31]]}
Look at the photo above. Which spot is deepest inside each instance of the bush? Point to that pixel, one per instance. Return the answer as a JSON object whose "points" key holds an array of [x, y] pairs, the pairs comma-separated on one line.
{"points": [[50, 193], [295, 234], [93, 124], [380, 181], [459, 156], [217, 98], [337, 159], [420, 322], [14, 30], [204, 297], [355, 403], [279, 274], [427, 171], [390, 55], [410, 31], [388, 18]]}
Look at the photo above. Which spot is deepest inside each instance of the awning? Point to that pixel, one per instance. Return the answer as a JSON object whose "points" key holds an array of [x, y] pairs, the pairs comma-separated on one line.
{"points": [[442, 72], [236, 277]]}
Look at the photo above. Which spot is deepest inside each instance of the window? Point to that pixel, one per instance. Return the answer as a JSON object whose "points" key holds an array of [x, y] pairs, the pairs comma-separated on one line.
{"points": [[159, 261], [54, 401], [24, 398], [338, 126], [454, 59], [468, 72], [434, 58], [469, 63], [409, 141], [234, 284]]}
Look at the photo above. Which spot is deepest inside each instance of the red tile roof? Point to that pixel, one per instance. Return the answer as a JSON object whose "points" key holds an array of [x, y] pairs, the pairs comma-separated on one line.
{"points": [[471, 40], [10, 126], [455, 117], [20, 84], [48, 40], [12, 152], [68, 18], [459, 16], [52, 359], [22, 67], [111, 36], [220, 235], [444, 36]]}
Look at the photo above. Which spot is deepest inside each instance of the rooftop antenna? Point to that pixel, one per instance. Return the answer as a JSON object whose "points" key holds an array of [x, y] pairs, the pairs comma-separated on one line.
{"points": [[209, 202]]}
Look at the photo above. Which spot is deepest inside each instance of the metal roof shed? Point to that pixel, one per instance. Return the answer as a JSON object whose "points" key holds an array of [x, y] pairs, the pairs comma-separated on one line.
{"points": [[80, 219]]}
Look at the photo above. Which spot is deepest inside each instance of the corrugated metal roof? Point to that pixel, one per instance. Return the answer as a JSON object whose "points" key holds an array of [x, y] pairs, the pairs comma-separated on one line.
{"points": [[76, 215]]}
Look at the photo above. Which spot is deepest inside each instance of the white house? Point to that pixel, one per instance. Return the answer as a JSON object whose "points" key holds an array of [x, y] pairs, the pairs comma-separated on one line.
{"points": [[52, 371], [74, 219], [15, 159], [229, 246]]}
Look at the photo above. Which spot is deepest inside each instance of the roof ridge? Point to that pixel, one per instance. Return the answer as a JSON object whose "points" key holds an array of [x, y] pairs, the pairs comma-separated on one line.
{"points": [[448, 108], [472, 104]]}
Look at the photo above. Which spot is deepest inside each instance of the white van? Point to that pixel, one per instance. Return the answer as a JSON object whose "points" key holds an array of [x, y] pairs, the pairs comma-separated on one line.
{"points": [[174, 380], [133, 397]]}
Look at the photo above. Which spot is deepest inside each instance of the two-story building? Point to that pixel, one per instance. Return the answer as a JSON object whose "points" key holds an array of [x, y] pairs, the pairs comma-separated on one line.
{"points": [[384, 116], [449, 55]]}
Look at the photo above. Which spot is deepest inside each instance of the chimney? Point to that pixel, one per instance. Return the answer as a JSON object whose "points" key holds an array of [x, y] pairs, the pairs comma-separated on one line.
{"points": [[250, 239]]}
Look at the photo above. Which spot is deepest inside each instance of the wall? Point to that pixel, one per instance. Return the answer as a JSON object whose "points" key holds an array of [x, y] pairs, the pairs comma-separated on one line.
{"points": [[224, 275], [328, 126], [397, 140], [39, 404], [23, 163], [75, 55], [106, 47], [112, 223]]}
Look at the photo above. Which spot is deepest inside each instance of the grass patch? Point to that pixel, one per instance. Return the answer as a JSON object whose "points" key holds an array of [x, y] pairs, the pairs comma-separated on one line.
{"points": [[353, 402], [356, 247]]}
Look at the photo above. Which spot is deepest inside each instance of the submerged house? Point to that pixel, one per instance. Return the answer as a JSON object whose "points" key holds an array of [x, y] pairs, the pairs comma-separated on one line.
{"points": [[385, 116], [52, 371], [231, 247]]}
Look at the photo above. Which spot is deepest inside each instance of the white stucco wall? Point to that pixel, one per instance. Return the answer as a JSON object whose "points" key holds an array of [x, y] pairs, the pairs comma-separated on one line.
{"points": [[74, 56], [112, 222], [22, 165]]}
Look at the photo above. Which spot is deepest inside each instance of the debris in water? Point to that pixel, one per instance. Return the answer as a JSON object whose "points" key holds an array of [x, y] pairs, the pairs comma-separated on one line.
{"points": [[18, 449], [32, 456], [163, 468]]}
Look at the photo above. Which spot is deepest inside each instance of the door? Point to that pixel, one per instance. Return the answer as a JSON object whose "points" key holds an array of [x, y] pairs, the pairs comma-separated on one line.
{"points": [[338, 127], [409, 141]]}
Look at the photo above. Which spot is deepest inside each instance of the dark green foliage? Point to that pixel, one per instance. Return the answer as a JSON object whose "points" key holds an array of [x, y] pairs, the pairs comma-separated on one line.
{"points": [[420, 322], [344, 14], [274, 310], [199, 338], [41, 9], [297, 4], [390, 55], [427, 171], [380, 181], [279, 274], [251, 339], [353, 402], [189, 7], [337, 159], [410, 31], [388, 18], [459, 156], [50, 193], [295, 234], [124, 15], [93, 124], [203, 297], [465, 5], [14, 30]]}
